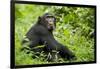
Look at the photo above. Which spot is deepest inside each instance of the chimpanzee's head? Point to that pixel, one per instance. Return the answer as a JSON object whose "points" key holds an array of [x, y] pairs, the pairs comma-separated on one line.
{"points": [[48, 20]]}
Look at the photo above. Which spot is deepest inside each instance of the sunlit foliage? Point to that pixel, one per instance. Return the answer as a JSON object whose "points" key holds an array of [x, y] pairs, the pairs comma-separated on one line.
{"points": [[75, 29]]}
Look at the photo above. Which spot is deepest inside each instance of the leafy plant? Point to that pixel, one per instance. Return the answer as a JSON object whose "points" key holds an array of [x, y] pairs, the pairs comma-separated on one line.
{"points": [[75, 26]]}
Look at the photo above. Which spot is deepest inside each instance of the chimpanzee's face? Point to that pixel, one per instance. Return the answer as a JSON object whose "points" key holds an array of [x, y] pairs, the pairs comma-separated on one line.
{"points": [[50, 22]]}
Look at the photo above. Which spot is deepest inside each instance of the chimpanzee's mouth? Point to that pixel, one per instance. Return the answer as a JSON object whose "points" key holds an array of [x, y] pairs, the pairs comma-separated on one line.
{"points": [[51, 28]]}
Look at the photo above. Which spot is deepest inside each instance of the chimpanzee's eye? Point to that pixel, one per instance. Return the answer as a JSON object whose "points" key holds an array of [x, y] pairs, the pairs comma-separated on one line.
{"points": [[53, 19]]}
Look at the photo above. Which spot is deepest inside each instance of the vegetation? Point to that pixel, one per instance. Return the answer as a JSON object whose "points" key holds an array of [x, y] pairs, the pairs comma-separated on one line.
{"points": [[75, 29]]}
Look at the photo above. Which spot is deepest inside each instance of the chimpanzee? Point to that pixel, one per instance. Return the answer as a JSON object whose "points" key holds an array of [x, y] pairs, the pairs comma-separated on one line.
{"points": [[42, 34]]}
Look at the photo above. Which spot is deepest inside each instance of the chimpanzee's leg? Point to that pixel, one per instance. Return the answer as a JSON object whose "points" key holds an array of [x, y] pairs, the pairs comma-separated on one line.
{"points": [[52, 45]]}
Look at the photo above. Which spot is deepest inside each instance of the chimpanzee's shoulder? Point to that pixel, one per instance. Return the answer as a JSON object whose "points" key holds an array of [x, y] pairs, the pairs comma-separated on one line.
{"points": [[41, 30]]}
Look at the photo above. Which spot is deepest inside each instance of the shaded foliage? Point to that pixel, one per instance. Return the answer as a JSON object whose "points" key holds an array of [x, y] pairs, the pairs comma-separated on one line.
{"points": [[75, 26]]}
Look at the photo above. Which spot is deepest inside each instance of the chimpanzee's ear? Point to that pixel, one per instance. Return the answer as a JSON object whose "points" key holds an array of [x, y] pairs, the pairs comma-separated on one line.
{"points": [[39, 19]]}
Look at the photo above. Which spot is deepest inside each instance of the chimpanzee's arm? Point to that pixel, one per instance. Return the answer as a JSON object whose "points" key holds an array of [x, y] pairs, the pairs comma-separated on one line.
{"points": [[52, 44]]}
